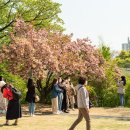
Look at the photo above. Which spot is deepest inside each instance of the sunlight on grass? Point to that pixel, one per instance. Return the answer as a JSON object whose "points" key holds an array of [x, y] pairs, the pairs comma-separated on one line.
{"points": [[62, 122]]}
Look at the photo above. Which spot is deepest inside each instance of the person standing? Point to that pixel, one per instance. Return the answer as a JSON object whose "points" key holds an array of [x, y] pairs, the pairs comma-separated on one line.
{"points": [[30, 96], [60, 95], [2, 100], [72, 95], [67, 81], [14, 107], [83, 104], [121, 90], [64, 102], [54, 96]]}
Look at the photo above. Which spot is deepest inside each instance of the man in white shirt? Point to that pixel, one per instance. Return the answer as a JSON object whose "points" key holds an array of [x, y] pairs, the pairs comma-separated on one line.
{"points": [[83, 105]]}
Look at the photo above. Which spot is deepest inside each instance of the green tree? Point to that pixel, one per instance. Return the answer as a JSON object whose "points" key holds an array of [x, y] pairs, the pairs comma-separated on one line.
{"points": [[123, 60], [106, 89], [41, 13], [105, 50]]}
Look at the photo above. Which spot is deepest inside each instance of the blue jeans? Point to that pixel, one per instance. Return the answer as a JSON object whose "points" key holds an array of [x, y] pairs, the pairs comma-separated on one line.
{"points": [[122, 100], [31, 107], [60, 100]]}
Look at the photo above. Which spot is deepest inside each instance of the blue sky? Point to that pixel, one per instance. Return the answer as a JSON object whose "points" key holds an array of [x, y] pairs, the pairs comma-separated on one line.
{"points": [[97, 19]]}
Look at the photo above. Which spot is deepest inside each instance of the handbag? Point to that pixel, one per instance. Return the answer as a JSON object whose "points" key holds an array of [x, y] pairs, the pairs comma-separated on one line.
{"points": [[90, 104], [37, 99]]}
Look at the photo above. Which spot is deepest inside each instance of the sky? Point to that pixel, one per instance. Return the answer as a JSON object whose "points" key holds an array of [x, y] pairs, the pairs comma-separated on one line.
{"points": [[107, 20]]}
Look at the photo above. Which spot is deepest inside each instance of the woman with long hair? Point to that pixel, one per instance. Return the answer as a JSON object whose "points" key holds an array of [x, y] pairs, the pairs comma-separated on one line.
{"points": [[30, 96], [54, 96], [121, 90]]}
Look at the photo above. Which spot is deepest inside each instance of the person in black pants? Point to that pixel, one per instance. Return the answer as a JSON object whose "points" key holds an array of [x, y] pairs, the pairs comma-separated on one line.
{"points": [[64, 102]]}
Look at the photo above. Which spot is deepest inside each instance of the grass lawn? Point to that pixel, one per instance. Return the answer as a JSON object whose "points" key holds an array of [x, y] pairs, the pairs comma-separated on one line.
{"points": [[101, 119]]}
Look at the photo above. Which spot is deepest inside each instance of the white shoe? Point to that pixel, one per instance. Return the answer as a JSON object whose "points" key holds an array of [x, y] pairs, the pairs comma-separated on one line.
{"points": [[56, 113], [60, 112], [121, 106], [33, 115]]}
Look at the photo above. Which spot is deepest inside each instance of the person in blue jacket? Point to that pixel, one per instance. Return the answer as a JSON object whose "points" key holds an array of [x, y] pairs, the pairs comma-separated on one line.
{"points": [[54, 96]]}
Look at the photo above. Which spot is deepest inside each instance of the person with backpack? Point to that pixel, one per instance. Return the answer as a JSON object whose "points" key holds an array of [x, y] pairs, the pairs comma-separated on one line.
{"points": [[14, 106], [30, 96], [83, 104]]}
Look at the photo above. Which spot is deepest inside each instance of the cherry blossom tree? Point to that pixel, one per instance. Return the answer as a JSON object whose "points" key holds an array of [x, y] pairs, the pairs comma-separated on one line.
{"points": [[45, 53]]}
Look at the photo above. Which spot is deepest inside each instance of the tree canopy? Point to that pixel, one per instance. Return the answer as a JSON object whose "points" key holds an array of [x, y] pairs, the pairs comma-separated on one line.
{"points": [[40, 13], [123, 60], [43, 51]]}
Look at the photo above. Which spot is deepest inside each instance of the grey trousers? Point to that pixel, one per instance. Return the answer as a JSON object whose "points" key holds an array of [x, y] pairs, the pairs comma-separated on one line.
{"points": [[82, 113]]}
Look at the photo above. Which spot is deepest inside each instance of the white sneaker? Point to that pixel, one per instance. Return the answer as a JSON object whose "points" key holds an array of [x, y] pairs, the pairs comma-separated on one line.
{"points": [[56, 113], [60, 112]]}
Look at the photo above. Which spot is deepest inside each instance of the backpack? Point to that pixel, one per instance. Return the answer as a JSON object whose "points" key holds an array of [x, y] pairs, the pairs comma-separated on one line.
{"points": [[16, 94]]}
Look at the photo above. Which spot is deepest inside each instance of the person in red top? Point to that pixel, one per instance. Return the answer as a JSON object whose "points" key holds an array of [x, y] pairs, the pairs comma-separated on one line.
{"points": [[14, 107]]}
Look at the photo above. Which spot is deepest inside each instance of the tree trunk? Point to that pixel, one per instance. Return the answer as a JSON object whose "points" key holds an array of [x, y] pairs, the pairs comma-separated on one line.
{"points": [[44, 90]]}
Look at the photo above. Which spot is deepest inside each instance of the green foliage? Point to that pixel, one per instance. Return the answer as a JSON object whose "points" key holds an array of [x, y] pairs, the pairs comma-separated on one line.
{"points": [[106, 89], [110, 97], [92, 94], [123, 60], [105, 51], [127, 93], [15, 80], [41, 13]]}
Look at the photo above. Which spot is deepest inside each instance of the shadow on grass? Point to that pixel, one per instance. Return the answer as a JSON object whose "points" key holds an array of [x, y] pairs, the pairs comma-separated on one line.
{"points": [[120, 118], [38, 113], [123, 119], [1, 125]]}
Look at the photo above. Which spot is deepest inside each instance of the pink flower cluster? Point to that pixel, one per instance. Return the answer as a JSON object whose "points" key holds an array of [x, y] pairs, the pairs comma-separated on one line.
{"points": [[43, 51]]}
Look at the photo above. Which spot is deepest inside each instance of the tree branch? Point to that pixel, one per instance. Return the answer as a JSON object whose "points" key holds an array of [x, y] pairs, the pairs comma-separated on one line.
{"points": [[48, 78], [5, 4], [6, 26]]}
